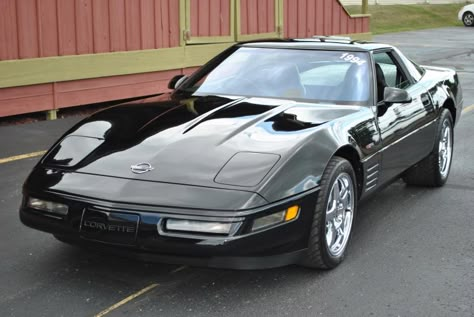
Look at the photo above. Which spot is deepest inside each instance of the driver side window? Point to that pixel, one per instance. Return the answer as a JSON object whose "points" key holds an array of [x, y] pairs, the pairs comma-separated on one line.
{"points": [[388, 74], [394, 75]]}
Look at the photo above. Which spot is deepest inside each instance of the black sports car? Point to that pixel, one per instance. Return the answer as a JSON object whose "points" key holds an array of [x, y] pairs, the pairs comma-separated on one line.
{"points": [[257, 160]]}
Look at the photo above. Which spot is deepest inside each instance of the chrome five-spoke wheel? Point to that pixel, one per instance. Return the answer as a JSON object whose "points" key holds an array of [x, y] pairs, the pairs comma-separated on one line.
{"points": [[339, 214], [434, 169], [334, 214], [445, 149]]}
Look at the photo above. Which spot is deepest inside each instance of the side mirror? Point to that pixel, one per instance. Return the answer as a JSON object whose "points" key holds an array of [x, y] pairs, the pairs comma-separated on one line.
{"points": [[395, 95], [176, 81]]}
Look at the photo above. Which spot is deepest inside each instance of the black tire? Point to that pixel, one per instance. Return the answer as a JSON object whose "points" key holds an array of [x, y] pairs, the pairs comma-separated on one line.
{"points": [[468, 19], [319, 255], [428, 171]]}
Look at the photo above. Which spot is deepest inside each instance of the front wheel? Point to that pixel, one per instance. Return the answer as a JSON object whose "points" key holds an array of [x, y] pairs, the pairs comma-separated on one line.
{"points": [[468, 19], [433, 171], [333, 216]]}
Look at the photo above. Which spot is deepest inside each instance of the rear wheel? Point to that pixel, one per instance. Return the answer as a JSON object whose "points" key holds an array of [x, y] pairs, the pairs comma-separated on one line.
{"points": [[468, 19], [333, 216], [433, 171]]}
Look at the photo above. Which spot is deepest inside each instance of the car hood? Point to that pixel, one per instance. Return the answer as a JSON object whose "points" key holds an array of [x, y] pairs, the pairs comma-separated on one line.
{"points": [[212, 141]]}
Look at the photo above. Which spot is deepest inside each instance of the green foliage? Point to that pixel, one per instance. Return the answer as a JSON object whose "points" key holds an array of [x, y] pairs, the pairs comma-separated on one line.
{"points": [[397, 18]]}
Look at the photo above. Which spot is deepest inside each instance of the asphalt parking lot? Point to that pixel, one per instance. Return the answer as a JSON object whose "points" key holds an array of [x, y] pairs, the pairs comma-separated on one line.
{"points": [[412, 252]]}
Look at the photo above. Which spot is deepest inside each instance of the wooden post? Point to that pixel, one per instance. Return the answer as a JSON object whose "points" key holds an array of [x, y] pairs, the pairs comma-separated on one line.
{"points": [[52, 114], [365, 6]]}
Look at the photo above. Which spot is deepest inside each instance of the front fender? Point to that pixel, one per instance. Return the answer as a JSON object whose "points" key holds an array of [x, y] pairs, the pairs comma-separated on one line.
{"points": [[303, 169]]}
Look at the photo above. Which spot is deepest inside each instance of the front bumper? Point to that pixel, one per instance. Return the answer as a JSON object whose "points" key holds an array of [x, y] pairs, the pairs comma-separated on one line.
{"points": [[280, 245]]}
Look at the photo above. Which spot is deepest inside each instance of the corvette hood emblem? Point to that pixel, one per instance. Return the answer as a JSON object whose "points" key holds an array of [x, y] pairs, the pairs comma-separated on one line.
{"points": [[141, 168]]}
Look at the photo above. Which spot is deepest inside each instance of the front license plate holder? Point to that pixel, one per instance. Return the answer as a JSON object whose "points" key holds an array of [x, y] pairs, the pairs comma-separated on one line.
{"points": [[109, 227]]}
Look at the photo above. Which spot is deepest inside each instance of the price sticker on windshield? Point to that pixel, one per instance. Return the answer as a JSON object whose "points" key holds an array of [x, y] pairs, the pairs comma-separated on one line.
{"points": [[348, 57]]}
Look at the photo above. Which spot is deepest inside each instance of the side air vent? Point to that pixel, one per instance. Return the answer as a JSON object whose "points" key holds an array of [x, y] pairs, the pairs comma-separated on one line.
{"points": [[372, 177]]}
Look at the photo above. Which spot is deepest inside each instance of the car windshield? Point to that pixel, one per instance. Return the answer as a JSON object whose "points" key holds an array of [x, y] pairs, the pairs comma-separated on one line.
{"points": [[307, 75]]}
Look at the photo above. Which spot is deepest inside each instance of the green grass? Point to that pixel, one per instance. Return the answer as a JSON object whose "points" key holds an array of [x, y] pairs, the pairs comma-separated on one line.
{"points": [[398, 18]]}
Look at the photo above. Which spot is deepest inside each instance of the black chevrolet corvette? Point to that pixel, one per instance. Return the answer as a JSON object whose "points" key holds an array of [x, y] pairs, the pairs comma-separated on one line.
{"points": [[257, 160]]}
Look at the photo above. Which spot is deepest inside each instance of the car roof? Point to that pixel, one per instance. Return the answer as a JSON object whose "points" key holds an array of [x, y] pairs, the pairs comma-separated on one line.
{"points": [[318, 43]]}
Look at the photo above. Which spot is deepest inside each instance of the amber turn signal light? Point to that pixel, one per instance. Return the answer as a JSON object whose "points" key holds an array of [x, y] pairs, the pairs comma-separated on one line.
{"points": [[292, 213]]}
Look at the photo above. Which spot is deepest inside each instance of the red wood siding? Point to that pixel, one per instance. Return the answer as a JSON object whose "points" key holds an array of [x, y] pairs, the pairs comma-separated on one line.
{"points": [[27, 31], [18, 100], [8, 30], [305, 18], [257, 16], [42, 28], [47, 28], [210, 18], [84, 26]]}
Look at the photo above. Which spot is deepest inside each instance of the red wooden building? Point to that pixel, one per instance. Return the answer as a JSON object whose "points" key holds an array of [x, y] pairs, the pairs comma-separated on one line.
{"points": [[62, 53]]}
